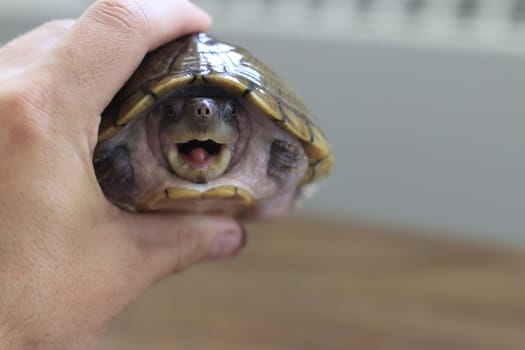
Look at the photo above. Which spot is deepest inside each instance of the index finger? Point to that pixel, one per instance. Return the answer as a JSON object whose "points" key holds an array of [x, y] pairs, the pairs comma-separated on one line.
{"points": [[101, 50]]}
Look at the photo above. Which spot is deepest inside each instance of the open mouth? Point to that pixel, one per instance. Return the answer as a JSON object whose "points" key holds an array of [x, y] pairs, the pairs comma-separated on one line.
{"points": [[199, 154], [199, 161]]}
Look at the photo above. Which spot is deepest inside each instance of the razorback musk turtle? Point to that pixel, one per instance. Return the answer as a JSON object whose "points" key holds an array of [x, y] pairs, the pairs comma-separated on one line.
{"points": [[203, 126]]}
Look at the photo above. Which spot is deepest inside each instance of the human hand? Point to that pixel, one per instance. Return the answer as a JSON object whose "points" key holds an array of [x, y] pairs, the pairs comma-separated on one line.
{"points": [[69, 260]]}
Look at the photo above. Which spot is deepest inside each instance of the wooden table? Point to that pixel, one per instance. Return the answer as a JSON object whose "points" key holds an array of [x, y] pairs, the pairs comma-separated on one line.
{"points": [[313, 284]]}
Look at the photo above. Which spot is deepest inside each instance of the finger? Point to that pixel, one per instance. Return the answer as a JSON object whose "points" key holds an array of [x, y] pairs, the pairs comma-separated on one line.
{"points": [[28, 47], [173, 243], [106, 44]]}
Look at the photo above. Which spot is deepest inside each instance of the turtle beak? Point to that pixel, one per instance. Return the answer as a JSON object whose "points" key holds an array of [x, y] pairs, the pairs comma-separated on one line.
{"points": [[199, 144], [200, 161]]}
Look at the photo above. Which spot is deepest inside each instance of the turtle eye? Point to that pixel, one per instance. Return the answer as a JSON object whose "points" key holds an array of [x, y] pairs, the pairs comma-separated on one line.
{"points": [[230, 112], [170, 111]]}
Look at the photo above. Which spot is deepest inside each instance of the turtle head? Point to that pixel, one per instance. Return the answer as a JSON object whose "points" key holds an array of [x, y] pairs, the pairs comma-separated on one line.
{"points": [[198, 136], [202, 153]]}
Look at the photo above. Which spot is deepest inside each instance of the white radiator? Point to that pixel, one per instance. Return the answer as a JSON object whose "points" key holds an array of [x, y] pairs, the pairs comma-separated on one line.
{"points": [[491, 24]]}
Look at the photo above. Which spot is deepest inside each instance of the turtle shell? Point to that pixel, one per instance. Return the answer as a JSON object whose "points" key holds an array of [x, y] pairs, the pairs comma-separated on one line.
{"points": [[201, 59]]}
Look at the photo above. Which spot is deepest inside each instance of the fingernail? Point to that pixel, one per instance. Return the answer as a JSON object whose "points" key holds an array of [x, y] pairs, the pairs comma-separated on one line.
{"points": [[229, 244]]}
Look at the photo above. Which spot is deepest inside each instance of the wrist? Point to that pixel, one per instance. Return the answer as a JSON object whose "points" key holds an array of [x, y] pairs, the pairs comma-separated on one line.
{"points": [[23, 330], [27, 337]]}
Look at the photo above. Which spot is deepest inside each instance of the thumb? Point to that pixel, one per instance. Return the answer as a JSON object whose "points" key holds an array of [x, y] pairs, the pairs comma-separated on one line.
{"points": [[172, 243]]}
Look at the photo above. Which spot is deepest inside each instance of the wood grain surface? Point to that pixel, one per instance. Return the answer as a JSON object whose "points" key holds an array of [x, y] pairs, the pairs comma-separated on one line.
{"points": [[314, 284]]}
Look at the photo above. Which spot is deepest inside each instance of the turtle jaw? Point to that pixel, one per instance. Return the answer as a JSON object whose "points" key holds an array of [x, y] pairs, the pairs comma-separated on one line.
{"points": [[199, 161]]}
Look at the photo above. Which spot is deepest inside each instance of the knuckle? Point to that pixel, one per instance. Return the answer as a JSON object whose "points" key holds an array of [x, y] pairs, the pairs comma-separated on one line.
{"points": [[123, 15], [187, 247], [24, 108], [57, 24]]}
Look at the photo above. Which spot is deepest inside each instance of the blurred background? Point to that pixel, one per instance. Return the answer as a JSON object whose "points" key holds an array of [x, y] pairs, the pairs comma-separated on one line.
{"points": [[406, 244], [422, 100]]}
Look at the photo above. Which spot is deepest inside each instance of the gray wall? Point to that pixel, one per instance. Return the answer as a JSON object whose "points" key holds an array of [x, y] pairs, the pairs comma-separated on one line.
{"points": [[429, 136]]}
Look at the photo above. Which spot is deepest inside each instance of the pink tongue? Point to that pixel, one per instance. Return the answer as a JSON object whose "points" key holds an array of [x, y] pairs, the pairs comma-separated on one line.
{"points": [[198, 158]]}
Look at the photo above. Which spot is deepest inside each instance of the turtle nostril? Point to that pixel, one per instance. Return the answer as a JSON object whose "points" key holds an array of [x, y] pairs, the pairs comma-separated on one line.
{"points": [[204, 111]]}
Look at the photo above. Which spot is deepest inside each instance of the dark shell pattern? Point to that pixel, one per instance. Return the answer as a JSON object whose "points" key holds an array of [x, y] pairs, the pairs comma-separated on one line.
{"points": [[200, 59]]}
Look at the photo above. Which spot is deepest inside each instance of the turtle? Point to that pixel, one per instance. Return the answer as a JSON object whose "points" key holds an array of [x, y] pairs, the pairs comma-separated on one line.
{"points": [[203, 126]]}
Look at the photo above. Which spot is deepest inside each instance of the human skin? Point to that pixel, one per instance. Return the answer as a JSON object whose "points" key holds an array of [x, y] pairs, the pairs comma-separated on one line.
{"points": [[69, 260]]}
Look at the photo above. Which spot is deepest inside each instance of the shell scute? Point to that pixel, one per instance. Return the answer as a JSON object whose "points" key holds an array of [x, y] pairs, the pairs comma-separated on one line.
{"points": [[200, 59]]}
